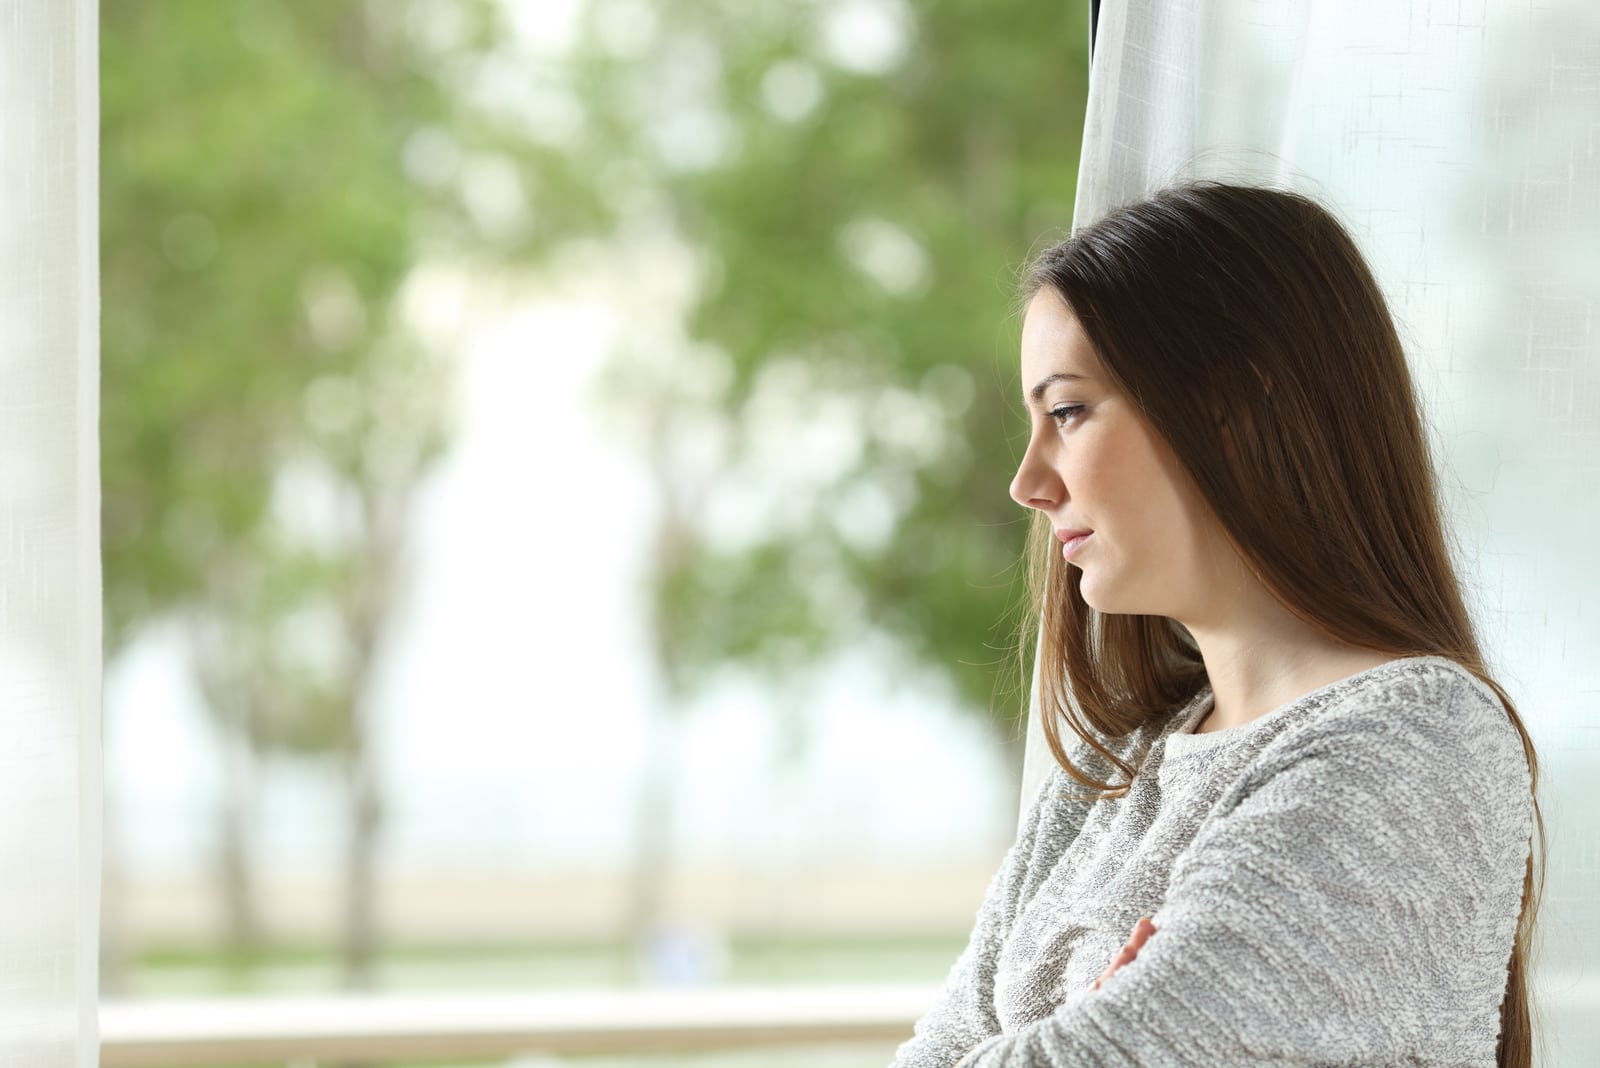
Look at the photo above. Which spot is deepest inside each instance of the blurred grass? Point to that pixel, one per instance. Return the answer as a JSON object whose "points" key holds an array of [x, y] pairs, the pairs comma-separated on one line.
{"points": [[832, 1056], [184, 970]]}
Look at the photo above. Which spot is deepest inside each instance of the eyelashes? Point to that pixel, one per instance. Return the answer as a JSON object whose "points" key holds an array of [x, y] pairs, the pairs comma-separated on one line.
{"points": [[1064, 413]]}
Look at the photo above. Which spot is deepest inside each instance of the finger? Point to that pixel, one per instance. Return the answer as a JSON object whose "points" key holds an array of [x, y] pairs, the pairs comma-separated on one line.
{"points": [[1142, 930], [1127, 954], [1122, 958]]}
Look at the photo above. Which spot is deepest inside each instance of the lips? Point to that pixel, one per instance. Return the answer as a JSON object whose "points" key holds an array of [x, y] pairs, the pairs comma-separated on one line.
{"points": [[1071, 540]]}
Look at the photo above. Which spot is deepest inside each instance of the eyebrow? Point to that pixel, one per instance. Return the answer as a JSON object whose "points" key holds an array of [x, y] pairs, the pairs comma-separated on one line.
{"points": [[1037, 393]]}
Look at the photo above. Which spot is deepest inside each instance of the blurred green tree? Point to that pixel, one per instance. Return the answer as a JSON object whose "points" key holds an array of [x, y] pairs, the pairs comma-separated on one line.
{"points": [[855, 183], [269, 176], [851, 183]]}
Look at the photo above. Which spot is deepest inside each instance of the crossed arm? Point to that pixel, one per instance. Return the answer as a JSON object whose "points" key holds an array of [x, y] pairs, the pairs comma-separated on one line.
{"points": [[1352, 901], [1130, 949]]}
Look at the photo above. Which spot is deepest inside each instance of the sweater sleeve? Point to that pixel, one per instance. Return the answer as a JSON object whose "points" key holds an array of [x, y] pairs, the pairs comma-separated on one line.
{"points": [[1351, 899], [963, 1012]]}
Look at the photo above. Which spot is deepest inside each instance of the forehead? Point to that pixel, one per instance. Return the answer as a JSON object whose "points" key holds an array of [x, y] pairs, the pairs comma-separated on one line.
{"points": [[1053, 342]]}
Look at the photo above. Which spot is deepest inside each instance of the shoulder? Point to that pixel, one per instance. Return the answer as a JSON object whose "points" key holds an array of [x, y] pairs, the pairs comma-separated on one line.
{"points": [[1429, 698], [1417, 682], [1425, 718]]}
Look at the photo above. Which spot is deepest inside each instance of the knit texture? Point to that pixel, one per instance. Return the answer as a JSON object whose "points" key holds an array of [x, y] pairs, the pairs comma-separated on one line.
{"points": [[1336, 882]]}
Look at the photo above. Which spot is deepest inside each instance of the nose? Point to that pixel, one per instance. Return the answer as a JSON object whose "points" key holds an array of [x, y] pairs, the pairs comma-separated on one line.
{"points": [[1036, 484]]}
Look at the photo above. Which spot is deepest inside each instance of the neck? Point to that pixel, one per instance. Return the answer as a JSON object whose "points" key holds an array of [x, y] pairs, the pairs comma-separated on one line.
{"points": [[1260, 656]]}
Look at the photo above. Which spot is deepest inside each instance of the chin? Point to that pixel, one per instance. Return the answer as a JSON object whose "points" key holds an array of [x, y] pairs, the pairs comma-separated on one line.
{"points": [[1094, 598], [1108, 603]]}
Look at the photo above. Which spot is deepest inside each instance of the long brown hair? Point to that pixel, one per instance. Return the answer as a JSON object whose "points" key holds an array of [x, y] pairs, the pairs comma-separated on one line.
{"points": [[1249, 332]]}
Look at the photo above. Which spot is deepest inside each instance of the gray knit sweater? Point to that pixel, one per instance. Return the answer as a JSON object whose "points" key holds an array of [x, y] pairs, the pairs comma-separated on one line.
{"points": [[1334, 883]]}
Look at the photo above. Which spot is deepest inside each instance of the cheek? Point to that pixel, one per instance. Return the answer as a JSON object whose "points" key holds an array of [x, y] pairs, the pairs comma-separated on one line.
{"points": [[1099, 477], [1155, 510], [1184, 515]]}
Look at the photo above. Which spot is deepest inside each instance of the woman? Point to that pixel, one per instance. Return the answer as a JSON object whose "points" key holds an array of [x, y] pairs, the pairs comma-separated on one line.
{"points": [[1289, 772]]}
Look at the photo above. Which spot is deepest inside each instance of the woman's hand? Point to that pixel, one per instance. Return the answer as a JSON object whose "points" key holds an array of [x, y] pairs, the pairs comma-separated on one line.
{"points": [[1141, 934]]}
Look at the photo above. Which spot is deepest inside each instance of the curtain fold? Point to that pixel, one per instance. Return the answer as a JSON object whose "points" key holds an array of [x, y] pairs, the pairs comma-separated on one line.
{"points": [[49, 534], [1460, 142]]}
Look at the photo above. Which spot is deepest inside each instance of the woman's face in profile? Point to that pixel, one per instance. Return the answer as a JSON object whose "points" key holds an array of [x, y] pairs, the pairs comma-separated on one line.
{"points": [[1094, 464]]}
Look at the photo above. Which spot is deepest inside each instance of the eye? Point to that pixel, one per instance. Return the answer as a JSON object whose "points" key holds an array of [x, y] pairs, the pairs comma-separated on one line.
{"points": [[1064, 413]]}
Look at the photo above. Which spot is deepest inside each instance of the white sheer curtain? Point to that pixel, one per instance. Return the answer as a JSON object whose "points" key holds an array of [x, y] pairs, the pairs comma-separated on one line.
{"points": [[49, 534], [1460, 140]]}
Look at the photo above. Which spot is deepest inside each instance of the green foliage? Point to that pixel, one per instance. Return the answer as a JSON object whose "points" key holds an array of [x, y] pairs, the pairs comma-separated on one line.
{"points": [[270, 172], [859, 229], [255, 226], [863, 256]]}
